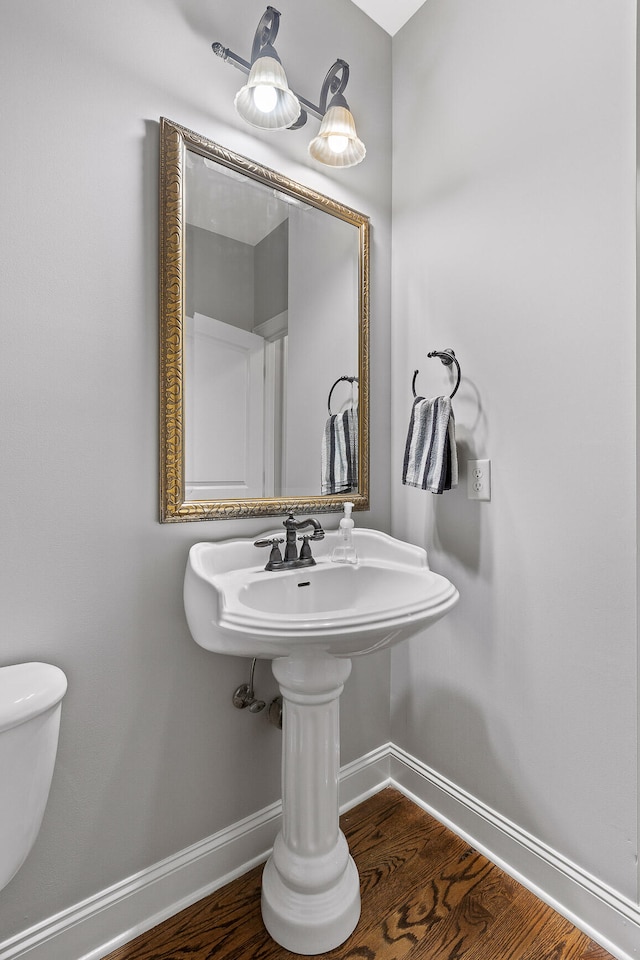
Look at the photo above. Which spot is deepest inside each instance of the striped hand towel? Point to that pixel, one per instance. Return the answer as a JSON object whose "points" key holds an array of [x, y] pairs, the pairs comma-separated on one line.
{"points": [[430, 459], [340, 453]]}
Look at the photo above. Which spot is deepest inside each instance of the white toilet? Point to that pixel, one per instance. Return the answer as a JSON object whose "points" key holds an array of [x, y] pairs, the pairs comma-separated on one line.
{"points": [[30, 706]]}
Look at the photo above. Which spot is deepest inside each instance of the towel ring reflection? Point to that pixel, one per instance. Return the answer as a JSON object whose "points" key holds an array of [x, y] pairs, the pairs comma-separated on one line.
{"points": [[339, 380], [447, 357]]}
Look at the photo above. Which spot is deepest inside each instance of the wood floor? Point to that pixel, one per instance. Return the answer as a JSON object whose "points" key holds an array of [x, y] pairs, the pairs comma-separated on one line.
{"points": [[426, 895]]}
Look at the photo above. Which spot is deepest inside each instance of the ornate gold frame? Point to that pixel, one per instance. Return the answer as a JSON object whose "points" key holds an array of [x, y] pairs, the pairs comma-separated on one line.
{"points": [[174, 141]]}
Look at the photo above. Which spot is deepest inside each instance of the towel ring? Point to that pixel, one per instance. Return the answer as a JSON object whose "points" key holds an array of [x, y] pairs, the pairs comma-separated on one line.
{"points": [[339, 380], [447, 357]]}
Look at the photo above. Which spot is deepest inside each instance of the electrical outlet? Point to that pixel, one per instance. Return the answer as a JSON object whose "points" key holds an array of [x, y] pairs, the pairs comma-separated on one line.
{"points": [[479, 479]]}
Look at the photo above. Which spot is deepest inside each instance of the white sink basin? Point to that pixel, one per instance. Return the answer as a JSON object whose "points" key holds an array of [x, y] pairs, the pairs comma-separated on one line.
{"points": [[234, 606]]}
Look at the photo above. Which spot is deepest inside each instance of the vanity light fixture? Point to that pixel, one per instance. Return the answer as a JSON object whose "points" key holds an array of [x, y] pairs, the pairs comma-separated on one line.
{"points": [[337, 143], [266, 100]]}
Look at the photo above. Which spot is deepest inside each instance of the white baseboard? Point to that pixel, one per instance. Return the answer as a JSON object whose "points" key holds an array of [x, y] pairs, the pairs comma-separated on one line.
{"points": [[99, 924], [600, 911], [96, 926], [93, 928]]}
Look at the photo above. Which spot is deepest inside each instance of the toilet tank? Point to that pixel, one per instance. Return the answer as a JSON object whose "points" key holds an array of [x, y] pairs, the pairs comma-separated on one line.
{"points": [[30, 706]]}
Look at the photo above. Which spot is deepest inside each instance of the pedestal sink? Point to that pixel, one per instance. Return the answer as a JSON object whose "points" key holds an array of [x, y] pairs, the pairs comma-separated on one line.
{"points": [[310, 622]]}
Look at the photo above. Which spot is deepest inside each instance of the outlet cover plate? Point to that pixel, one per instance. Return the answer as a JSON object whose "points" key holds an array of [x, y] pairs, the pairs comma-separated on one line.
{"points": [[479, 479]]}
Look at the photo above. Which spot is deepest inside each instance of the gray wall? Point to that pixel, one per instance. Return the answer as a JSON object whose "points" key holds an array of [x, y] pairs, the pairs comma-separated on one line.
{"points": [[271, 272], [233, 281], [220, 277], [153, 756], [514, 243]]}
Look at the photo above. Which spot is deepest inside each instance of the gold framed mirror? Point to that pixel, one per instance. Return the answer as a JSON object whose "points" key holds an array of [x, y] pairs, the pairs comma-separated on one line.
{"points": [[264, 339]]}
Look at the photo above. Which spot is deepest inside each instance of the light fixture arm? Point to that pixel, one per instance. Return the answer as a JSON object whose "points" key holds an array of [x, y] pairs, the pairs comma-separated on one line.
{"points": [[333, 83], [266, 32], [225, 54]]}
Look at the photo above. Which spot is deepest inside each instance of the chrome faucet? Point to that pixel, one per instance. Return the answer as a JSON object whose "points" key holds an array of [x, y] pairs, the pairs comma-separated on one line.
{"points": [[291, 557]]}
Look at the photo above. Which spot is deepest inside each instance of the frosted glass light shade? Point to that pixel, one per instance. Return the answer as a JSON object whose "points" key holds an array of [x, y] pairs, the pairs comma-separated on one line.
{"points": [[267, 84], [337, 143]]}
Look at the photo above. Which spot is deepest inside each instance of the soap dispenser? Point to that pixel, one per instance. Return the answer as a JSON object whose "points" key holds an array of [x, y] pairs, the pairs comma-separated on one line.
{"points": [[345, 552]]}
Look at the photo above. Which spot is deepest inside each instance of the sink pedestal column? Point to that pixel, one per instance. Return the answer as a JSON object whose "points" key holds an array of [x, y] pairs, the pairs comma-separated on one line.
{"points": [[310, 884]]}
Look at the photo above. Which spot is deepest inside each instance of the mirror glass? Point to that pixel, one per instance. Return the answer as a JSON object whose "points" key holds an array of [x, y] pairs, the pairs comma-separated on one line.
{"points": [[264, 339]]}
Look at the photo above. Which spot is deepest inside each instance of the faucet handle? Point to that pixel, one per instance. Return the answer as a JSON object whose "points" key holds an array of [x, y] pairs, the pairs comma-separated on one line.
{"points": [[305, 549], [274, 542]]}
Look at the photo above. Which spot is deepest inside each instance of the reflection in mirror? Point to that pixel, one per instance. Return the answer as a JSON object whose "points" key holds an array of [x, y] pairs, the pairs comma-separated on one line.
{"points": [[264, 318]]}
